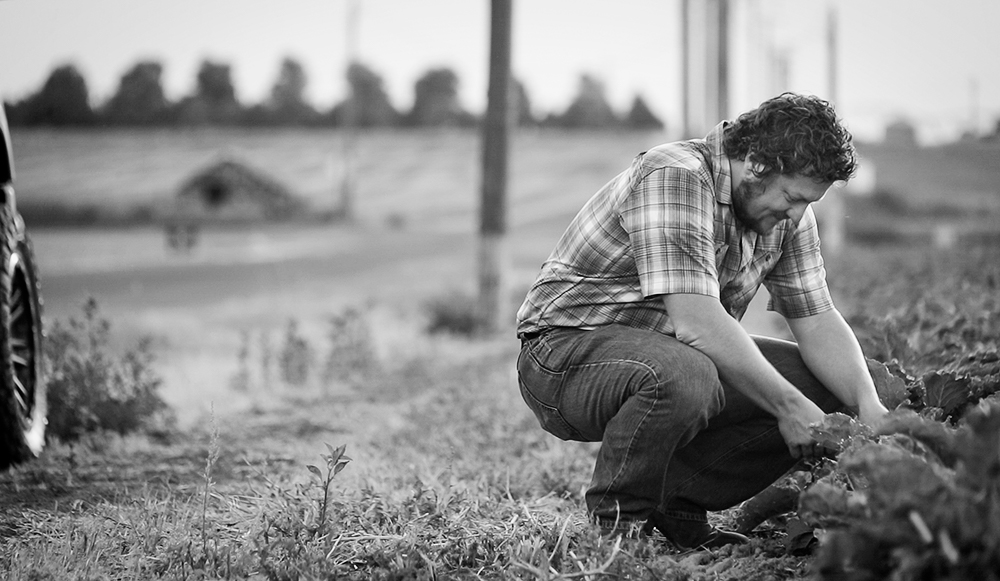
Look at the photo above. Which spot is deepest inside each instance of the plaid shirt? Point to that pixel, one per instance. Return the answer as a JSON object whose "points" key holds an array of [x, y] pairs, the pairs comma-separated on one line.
{"points": [[666, 225]]}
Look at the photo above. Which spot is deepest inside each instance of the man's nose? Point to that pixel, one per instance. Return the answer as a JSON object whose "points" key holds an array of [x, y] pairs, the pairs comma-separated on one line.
{"points": [[795, 212]]}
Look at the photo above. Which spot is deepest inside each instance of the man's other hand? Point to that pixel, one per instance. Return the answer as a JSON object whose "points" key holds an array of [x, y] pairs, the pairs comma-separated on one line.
{"points": [[795, 428]]}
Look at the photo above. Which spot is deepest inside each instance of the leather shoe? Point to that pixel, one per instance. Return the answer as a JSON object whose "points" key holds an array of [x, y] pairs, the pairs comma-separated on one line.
{"points": [[685, 534]]}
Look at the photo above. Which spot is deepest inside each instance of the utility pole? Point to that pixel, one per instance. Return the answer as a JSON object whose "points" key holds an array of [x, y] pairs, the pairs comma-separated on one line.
{"points": [[348, 184], [704, 65], [831, 52], [493, 209], [686, 132], [833, 207], [722, 106]]}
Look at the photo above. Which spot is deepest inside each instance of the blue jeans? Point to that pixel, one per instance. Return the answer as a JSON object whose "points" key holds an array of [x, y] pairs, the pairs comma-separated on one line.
{"points": [[675, 440]]}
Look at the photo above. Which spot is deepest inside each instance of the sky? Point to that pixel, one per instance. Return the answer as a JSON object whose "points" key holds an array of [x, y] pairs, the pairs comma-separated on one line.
{"points": [[932, 62]]}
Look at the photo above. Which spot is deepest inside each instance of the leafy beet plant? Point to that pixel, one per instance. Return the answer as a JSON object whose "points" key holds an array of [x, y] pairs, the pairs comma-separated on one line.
{"points": [[920, 497], [918, 500]]}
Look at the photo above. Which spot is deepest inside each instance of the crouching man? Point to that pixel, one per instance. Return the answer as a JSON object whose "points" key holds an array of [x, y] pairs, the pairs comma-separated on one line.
{"points": [[631, 336]]}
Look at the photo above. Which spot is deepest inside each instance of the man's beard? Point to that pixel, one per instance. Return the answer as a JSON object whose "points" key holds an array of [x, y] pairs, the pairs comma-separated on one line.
{"points": [[749, 189]]}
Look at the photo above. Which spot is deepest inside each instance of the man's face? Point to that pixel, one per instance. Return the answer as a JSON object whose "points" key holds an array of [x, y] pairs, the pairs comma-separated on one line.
{"points": [[759, 204]]}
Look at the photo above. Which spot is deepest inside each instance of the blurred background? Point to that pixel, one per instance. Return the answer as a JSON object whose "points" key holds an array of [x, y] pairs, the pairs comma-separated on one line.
{"points": [[929, 62], [204, 168]]}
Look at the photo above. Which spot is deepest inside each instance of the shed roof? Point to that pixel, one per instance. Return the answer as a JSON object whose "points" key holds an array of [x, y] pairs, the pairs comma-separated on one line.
{"points": [[232, 190]]}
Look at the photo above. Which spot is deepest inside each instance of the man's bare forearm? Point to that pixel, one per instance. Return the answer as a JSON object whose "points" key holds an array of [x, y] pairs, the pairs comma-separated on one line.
{"points": [[831, 351], [701, 322]]}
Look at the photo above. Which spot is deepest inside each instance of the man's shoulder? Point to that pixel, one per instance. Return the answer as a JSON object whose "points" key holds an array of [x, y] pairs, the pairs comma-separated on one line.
{"points": [[685, 164], [692, 155]]}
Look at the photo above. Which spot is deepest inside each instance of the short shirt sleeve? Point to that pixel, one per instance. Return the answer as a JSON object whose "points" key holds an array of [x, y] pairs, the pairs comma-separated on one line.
{"points": [[797, 284], [670, 220]]}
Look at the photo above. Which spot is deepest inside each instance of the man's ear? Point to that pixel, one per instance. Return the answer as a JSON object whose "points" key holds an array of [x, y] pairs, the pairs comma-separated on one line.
{"points": [[751, 167], [756, 169]]}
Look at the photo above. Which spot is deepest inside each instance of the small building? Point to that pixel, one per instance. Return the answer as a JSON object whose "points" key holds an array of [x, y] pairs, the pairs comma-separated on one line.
{"points": [[227, 192]]}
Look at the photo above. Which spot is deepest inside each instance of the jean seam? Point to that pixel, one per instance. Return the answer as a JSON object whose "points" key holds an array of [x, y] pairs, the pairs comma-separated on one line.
{"points": [[736, 449], [533, 346], [639, 425], [529, 350]]}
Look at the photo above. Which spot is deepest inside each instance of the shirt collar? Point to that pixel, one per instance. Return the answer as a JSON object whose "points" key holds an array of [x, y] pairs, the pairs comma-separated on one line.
{"points": [[720, 165], [722, 175]]}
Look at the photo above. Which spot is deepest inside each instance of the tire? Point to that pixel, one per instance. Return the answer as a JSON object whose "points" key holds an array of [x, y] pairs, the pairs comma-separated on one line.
{"points": [[22, 385]]}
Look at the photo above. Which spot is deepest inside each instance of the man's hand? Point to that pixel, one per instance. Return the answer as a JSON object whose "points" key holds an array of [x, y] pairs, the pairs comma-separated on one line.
{"points": [[795, 428]]}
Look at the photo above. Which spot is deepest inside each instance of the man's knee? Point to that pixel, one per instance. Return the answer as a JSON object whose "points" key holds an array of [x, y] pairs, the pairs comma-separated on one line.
{"points": [[700, 377], [689, 380]]}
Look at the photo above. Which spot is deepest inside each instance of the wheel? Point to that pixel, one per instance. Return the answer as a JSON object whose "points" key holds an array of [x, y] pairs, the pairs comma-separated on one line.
{"points": [[22, 385]]}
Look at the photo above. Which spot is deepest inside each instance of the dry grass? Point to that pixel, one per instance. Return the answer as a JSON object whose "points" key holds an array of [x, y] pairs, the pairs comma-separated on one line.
{"points": [[449, 477]]}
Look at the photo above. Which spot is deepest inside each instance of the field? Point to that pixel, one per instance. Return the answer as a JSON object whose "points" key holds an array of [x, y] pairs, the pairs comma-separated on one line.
{"points": [[257, 278], [449, 476]]}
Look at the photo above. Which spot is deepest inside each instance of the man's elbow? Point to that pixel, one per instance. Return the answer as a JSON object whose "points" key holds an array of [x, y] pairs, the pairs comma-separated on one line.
{"points": [[691, 331], [693, 318]]}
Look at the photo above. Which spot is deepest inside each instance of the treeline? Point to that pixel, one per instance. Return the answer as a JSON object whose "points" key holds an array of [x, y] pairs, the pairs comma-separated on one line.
{"points": [[140, 101]]}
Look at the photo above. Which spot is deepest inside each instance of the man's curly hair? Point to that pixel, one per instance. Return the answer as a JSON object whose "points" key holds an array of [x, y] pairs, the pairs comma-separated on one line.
{"points": [[792, 134]]}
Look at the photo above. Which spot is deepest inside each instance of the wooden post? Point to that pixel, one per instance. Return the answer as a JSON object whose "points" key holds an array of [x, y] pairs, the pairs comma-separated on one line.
{"points": [[686, 132], [710, 94], [833, 207], [348, 183], [704, 65], [493, 209], [722, 89]]}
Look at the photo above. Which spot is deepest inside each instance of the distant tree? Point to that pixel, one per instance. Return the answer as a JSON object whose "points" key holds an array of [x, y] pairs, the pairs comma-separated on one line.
{"points": [[139, 99], [214, 101], [287, 104], [258, 115], [17, 111], [436, 101], [62, 100], [589, 109], [367, 104], [641, 117], [215, 84]]}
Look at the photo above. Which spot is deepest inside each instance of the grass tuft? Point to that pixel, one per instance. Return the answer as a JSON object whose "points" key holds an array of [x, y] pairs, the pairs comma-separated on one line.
{"points": [[93, 389], [456, 314], [296, 357]]}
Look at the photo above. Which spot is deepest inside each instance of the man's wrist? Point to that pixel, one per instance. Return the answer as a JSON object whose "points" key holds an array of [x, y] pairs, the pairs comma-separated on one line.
{"points": [[791, 403], [871, 411]]}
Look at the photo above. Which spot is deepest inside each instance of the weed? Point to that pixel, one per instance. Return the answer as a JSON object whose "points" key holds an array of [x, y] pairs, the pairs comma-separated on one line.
{"points": [[335, 462], [295, 360], [351, 356], [210, 460], [457, 314], [266, 359], [91, 389], [240, 381]]}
